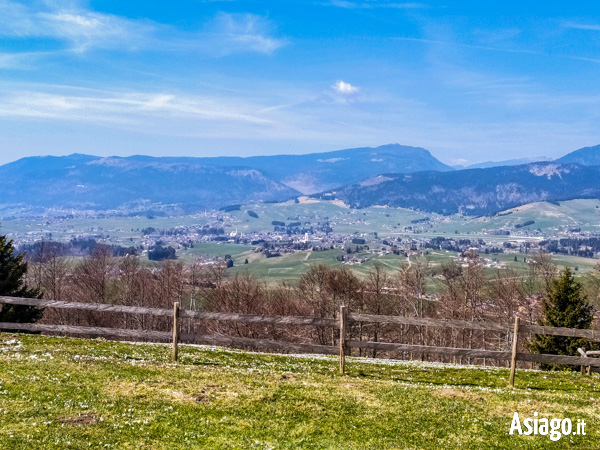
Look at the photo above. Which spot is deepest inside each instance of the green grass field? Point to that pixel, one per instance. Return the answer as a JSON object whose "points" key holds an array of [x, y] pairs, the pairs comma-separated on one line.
{"points": [[289, 267], [60, 393]]}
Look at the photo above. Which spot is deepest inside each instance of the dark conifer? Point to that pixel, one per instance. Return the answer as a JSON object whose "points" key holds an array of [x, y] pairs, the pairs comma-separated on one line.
{"points": [[12, 284], [566, 306]]}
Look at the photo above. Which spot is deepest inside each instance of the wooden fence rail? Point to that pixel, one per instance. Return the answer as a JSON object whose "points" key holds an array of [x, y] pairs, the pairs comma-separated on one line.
{"points": [[90, 331], [342, 322]]}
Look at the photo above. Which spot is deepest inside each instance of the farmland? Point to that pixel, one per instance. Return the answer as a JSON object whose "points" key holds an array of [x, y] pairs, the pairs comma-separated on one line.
{"points": [[254, 223]]}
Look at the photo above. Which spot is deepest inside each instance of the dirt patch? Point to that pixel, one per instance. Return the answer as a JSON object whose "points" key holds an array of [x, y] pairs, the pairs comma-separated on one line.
{"points": [[81, 420], [181, 392], [457, 393], [206, 394], [285, 377]]}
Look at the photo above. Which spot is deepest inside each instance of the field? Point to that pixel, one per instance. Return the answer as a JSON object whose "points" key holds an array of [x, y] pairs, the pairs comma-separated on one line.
{"points": [[553, 219], [76, 393], [549, 217], [289, 267]]}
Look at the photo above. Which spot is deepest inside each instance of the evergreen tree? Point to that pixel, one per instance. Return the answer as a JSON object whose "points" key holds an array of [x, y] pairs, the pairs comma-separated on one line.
{"points": [[12, 273], [565, 306]]}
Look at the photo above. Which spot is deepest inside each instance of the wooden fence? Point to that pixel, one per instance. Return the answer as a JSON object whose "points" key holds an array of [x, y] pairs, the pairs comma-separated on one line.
{"points": [[342, 322]]}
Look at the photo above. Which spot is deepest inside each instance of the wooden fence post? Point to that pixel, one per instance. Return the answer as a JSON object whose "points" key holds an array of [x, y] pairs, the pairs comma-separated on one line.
{"points": [[343, 323], [175, 353], [513, 358], [583, 355]]}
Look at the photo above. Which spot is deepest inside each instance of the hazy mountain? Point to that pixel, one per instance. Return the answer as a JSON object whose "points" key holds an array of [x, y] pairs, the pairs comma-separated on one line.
{"points": [[587, 156], [508, 162], [316, 172], [474, 191], [89, 182], [413, 178]]}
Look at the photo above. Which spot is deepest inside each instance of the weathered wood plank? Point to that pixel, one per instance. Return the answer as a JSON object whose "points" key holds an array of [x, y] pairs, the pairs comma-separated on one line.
{"points": [[449, 323], [93, 331], [232, 341], [583, 355], [99, 307], [447, 351], [262, 319], [592, 335], [513, 356], [226, 317], [558, 359], [343, 324], [175, 350]]}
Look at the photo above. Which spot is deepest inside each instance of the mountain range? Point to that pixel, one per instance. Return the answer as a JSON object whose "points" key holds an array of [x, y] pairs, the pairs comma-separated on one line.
{"points": [[317, 172], [392, 175], [508, 162], [85, 182], [474, 191]]}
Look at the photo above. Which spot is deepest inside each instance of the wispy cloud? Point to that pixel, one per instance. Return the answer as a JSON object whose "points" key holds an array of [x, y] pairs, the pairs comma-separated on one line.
{"points": [[581, 26], [235, 33], [470, 46], [14, 60], [499, 49], [371, 4], [80, 28], [77, 29], [66, 104]]}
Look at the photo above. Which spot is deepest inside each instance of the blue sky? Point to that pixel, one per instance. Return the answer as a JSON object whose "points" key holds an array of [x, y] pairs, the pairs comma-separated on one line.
{"points": [[470, 81]]}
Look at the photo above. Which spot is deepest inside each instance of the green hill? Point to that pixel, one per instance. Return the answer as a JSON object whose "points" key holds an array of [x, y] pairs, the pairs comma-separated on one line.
{"points": [[75, 393]]}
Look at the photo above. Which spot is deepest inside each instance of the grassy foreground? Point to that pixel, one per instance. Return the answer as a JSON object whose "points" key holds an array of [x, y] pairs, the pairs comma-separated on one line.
{"points": [[76, 393]]}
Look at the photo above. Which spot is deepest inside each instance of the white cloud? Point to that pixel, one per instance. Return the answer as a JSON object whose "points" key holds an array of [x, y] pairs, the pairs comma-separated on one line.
{"points": [[78, 27], [341, 87], [234, 33], [111, 107], [81, 29]]}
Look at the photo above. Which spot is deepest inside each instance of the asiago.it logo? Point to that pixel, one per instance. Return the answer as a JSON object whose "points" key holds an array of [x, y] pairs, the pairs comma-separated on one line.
{"points": [[555, 428]]}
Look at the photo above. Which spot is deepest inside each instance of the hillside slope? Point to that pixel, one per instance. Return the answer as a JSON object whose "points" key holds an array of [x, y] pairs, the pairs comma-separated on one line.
{"points": [[587, 156], [316, 172], [474, 191], [78, 393], [88, 182], [508, 162]]}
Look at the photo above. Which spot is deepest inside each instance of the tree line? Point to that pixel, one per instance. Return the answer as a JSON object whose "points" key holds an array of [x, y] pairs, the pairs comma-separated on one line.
{"points": [[455, 290]]}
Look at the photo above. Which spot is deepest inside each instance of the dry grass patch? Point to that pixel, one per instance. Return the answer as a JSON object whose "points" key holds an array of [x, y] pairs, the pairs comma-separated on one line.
{"points": [[458, 393], [83, 419]]}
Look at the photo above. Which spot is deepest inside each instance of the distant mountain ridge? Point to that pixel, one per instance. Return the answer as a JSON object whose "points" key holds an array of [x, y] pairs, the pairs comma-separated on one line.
{"points": [[316, 172], [508, 162], [587, 156], [474, 191], [392, 175], [90, 182]]}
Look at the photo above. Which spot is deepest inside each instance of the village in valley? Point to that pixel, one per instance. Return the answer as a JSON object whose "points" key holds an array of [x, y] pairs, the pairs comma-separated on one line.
{"points": [[279, 240]]}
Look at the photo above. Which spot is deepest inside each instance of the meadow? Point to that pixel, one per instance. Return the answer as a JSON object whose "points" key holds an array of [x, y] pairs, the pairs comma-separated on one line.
{"points": [[76, 393]]}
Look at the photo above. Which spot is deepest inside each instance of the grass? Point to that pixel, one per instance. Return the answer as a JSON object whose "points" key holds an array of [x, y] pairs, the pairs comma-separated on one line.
{"points": [[77, 393]]}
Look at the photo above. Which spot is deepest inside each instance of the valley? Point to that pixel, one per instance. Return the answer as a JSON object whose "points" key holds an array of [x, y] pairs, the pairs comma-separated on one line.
{"points": [[330, 233]]}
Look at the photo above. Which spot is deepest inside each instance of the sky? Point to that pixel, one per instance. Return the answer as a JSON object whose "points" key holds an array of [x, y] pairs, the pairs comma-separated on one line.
{"points": [[470, 81]]}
